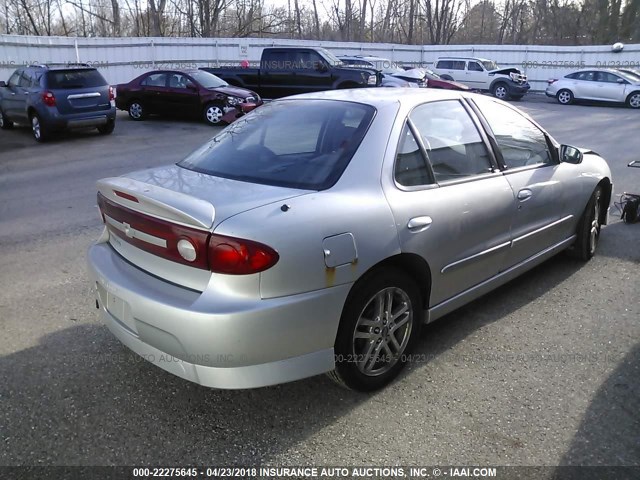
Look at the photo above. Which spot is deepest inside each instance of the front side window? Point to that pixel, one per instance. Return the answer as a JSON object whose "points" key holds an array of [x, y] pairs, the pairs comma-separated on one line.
{"points": [[303, 144], [520, 141], [607, 77], [452, 141], [14, 79], [474, 67]]}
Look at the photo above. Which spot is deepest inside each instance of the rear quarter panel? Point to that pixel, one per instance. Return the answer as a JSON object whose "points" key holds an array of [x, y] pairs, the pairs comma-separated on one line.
{"points": [[355, 204]]}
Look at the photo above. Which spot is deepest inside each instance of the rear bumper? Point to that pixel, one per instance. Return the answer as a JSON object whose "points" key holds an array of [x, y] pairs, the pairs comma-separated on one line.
{"points": [[55, 120], [213, 338]]}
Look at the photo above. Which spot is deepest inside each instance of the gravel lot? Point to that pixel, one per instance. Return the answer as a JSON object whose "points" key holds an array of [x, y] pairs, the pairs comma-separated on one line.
{"points": [[544, 371]]}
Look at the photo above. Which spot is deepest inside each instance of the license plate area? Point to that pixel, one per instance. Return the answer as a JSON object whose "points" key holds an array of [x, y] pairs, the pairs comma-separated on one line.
{"points": [[117, 308]]}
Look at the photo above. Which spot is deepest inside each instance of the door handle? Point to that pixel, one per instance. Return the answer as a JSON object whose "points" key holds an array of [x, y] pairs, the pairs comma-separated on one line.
{"points": [[524, 194], [419, 224]]}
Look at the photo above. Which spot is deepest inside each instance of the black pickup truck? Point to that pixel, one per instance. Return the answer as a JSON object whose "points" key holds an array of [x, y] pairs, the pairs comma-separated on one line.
{"points": [[290, 70]]}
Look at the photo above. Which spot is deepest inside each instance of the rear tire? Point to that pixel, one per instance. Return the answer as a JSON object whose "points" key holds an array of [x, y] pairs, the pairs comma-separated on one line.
{"points": [[633, 100], [137, 111], [380, 325], [38, 129], [5, 123], [588, 228], [500, 90], [565, 97], [108, 128]]}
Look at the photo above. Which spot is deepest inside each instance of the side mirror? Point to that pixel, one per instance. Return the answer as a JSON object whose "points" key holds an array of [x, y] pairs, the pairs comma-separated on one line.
{"points": [[569, 154], [620, 80], [3, 83]]}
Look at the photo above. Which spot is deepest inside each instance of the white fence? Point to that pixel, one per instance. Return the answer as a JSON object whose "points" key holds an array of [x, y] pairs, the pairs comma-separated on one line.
{"points": [[122, 59]]}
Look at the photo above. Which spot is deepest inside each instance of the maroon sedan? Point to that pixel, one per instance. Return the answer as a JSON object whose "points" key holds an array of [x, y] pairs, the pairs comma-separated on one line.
{"points": [[435, 81], [193, 93]]}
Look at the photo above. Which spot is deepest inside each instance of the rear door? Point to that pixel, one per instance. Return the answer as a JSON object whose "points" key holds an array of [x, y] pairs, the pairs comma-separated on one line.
{"points": [[153, 90], [536, 177], [451, 204], [78, 90]]}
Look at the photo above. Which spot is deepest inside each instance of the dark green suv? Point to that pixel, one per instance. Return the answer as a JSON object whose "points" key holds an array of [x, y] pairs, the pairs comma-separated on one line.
{"points": [[53, 98]]}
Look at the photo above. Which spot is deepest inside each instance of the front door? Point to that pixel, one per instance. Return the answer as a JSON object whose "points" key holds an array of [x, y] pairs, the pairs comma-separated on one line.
{"points": [[535, 174]]}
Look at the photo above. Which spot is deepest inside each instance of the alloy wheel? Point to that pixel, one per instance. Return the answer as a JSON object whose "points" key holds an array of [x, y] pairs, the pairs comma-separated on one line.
{"points": [[564, 97], [135, 110], [595, 227], [382, 331], [634, 101], [36, 128], [500, 92], [214, 114]]}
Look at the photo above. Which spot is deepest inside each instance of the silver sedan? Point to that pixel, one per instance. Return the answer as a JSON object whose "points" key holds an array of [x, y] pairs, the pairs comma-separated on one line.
{"points": [[602, 85], [320, 232]]}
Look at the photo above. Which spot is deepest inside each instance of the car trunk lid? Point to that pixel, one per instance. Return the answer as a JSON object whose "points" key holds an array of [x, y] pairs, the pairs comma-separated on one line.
{"points": [[147, 213]]}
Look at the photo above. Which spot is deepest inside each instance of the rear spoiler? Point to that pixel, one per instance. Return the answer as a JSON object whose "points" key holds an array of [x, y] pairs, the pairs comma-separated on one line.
{"points": [[158, 202]]}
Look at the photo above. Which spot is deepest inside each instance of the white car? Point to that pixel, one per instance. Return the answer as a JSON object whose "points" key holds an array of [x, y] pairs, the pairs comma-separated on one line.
{"points": [[596, 84]]}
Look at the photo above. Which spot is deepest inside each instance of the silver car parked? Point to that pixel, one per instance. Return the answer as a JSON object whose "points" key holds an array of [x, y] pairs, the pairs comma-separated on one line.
{"points": [[318, 233], [601, 85]]}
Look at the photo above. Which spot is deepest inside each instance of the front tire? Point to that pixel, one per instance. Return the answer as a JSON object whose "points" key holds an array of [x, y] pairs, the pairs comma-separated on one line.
{"points": [[565, 97], [379, 326], [137, 110], [633, 100], [5, 123], [213, 114], [589, 228], [500, 90]]}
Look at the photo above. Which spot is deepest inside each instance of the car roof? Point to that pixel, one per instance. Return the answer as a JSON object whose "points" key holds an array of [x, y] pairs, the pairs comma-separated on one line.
{"points": [[65, 66], [466, 58], [379, 97]]}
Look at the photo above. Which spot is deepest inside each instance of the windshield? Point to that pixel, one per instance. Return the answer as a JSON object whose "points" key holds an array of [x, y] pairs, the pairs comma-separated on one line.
{"points": [[330, 57], [632, 77], [490, 65], [207, 80], [431, 74], [303, 144]]}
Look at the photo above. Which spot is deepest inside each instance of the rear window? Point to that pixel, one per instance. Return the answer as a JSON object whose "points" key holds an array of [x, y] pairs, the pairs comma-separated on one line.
{"points": [[303, 144], [75, 78]]}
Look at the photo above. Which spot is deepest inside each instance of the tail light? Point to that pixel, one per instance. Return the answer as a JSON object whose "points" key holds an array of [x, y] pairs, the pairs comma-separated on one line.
{"points": [[235, 256], [49, 99], [552, 80], [112, 93], [185, 245]]}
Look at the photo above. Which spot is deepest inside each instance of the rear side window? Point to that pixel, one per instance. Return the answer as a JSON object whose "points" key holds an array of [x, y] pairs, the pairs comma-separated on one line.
{"points": [[155, 80], [75, 78], [303, 144], [411, 168]]}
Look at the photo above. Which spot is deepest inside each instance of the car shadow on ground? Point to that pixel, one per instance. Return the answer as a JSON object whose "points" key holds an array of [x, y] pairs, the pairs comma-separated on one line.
{"points": [[20, 136], [79, 397], [617, 402]]}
